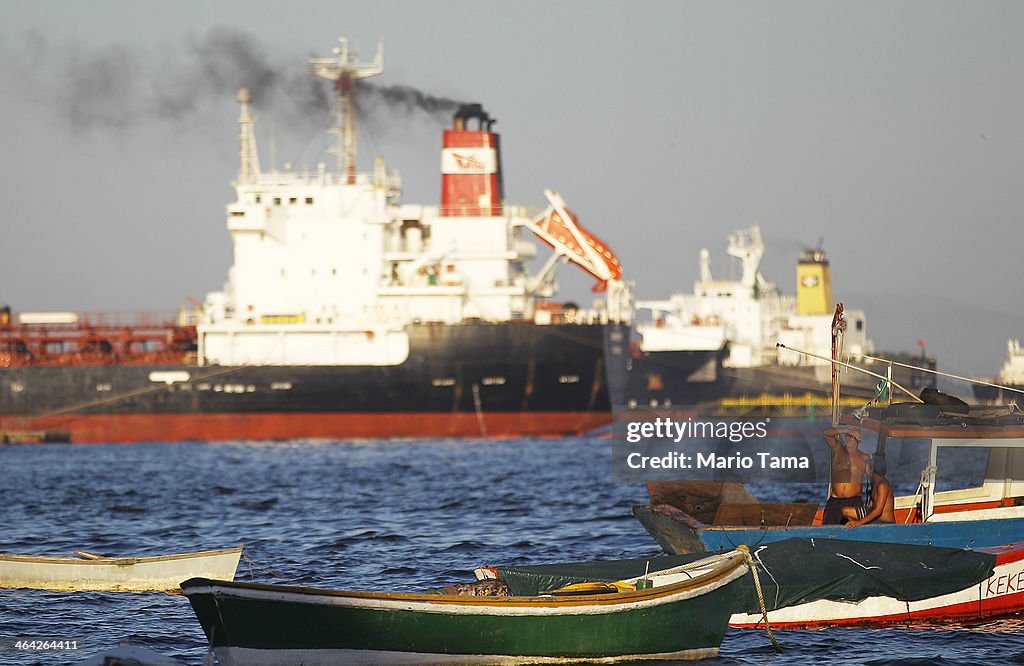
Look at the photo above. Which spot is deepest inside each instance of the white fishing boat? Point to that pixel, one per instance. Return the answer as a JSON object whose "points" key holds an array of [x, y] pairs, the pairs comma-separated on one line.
{"points": [[90, 572]]}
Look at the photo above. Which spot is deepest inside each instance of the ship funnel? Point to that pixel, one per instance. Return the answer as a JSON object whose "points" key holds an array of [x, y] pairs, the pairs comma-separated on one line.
{"points": [[471, 181], [814, 283]]}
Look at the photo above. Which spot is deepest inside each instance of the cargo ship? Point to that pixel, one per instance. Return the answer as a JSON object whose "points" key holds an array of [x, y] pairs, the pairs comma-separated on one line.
{"points": [[346, 313], [721, 340]]}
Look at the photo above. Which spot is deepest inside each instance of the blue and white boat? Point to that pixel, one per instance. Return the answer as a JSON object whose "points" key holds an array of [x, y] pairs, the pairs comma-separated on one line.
{"points": [[985, 515]]}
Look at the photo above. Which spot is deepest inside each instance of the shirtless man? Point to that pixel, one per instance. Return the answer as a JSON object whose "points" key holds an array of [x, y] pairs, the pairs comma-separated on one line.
{"points": [[848, 464], [883, 505]]}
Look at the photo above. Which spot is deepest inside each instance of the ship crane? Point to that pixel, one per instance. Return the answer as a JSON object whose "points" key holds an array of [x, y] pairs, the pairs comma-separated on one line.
{"points": [[345, 73]]}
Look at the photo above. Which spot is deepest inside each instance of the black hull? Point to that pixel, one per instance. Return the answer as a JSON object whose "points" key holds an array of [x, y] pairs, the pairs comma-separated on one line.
{"points": [[994, 395], [689, 378], [483, 371]]}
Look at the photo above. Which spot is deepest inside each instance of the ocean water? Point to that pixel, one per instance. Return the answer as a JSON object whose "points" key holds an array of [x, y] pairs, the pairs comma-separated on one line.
{"points": [[379, 515]]}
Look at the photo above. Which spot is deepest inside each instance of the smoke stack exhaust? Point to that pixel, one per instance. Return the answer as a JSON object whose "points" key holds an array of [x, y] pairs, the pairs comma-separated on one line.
{"points": [[471, 183]]}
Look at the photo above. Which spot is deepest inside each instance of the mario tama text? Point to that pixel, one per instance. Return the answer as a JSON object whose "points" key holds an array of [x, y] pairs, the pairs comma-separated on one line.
{"points": [[751, 450]]}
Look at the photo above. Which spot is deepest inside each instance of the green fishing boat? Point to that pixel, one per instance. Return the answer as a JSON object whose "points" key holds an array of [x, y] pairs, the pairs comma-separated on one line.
{"points": [[250, 623]]}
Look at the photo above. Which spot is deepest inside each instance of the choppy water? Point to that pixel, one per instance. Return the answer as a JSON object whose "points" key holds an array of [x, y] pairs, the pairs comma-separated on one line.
{"points": [[390, 515]]}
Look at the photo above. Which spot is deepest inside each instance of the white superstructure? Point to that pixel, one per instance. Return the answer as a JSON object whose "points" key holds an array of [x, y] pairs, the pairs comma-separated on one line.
{"points": [[330, 266], [1012, 372], [750, 315]]}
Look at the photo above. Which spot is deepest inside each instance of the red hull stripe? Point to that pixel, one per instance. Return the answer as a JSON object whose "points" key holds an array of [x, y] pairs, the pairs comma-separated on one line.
{"points": [[184, 427]]}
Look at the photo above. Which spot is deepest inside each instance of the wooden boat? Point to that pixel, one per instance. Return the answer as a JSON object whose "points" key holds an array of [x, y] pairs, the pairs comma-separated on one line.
{"points": [[986, 516], [88, 572], [249, 623]]}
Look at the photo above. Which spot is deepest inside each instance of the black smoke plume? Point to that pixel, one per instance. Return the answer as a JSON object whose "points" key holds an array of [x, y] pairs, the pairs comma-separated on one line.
{"points": [[119, 87]]}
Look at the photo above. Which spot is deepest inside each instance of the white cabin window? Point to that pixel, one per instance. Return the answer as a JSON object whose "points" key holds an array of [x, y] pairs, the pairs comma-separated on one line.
{"points": [[309, 201]]}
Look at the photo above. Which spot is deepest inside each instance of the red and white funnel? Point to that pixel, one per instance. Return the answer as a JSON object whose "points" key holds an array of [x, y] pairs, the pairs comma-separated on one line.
{"points": [[471, 166]]}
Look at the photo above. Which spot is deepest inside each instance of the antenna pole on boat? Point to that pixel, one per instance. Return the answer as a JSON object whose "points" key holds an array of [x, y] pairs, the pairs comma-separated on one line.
{"points": [[345, 73], [838, 331], [779, 345]]}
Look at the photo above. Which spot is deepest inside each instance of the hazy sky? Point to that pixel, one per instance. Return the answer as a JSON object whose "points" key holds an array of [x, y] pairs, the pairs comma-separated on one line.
{"points": [[893, 131]]}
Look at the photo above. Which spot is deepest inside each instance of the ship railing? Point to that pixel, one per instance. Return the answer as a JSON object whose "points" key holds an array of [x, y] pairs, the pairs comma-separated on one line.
{"points": [[571, 316], [85, 320]]}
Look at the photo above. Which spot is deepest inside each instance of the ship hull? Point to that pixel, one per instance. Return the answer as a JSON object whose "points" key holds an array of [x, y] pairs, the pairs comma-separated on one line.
{"points": [[676, 378], [464, 380], [691, 377], [993, 395]]}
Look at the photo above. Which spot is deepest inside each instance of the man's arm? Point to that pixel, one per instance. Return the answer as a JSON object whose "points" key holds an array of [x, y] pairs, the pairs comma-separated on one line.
{"points": [[831, 436]]}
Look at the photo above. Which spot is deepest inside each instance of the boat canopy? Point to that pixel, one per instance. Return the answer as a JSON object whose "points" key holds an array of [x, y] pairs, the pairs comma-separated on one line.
{"points": [[798, 571], [999, 430]]}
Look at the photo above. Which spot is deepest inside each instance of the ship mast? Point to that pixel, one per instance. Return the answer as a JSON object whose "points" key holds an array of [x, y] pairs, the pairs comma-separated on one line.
{"points": [[345, 73]]}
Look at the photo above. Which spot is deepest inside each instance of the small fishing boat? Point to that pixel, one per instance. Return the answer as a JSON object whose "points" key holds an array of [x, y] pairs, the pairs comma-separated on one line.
{"points": [[90, 572], [985, 516], [249, 623]]}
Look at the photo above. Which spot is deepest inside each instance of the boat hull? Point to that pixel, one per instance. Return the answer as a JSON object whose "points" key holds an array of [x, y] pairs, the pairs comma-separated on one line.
{"points": [[248, 623], [677, 535], [1001, 595], [463, 380], [162, 573]]}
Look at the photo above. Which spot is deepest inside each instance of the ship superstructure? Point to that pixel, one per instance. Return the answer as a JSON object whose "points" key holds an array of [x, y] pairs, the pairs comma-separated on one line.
{"points": [[720, 340], [330, 267], [348, 312]]}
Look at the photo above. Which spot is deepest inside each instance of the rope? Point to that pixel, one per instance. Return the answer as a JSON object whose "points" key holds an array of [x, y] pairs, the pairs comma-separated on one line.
{"points": [[760, 598], [927, 474], [745, 551], [479, 409], [252, 563], [118, 397], [941, 374], [779, 345]]}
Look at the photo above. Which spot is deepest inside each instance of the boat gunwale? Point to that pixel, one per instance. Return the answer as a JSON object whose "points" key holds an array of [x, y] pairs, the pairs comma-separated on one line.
{"points": [[733, 567], [118, 561]]}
